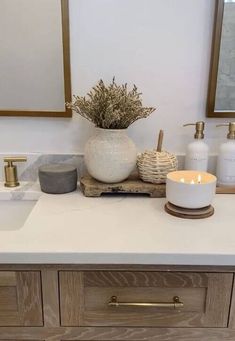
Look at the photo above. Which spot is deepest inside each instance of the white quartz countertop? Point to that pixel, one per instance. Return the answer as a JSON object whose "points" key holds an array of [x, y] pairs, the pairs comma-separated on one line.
{"points": [[70, 228]]}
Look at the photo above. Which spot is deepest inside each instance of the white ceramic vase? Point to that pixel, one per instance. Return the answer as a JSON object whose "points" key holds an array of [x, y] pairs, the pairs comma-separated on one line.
{"points": [[110, 155]]}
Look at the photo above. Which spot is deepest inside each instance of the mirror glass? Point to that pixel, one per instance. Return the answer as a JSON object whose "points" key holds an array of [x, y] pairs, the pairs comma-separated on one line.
{"points": [[221, 90], [225, 90], [34, 63]]}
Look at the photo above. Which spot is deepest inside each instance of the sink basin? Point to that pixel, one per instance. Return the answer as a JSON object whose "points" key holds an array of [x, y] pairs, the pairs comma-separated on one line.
{"points": [[13, 214]]}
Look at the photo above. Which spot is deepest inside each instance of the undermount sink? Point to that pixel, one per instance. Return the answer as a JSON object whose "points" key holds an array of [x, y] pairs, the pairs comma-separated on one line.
{"points": [[13, 214]]}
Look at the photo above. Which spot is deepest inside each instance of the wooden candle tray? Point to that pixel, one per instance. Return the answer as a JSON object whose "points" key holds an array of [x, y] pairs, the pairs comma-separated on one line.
{"points": [[187, 213], [133, 185]]}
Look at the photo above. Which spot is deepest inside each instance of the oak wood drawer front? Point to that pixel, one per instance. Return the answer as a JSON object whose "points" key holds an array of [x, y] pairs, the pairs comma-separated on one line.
{"points": [[20, 298], [84, 298]]}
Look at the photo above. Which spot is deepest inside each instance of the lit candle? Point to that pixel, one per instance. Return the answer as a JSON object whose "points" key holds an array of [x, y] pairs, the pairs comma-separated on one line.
{"points": [[199, 179], [190, 189]]}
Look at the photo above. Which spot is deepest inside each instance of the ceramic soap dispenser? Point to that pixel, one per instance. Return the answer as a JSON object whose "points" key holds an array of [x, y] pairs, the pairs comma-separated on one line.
{"points": [[226, 159], [197, 151]]}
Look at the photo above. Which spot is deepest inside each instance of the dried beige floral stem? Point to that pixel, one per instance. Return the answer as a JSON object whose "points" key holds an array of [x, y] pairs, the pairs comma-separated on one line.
{"points": [[111, 107]]}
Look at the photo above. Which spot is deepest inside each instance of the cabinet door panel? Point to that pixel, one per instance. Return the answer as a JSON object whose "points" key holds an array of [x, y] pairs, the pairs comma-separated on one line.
{"points": [[20, 298], [84, 298]]}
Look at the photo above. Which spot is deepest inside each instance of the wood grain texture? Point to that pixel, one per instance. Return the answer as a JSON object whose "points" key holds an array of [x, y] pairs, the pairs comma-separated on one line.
{"points": [[119, 267], [29, 298], [206, 289], [50, 292], [117, 334], [225, 190], [71, 298], [7, 278], [203, 307], [145, 279], [187, 213], [231, 323], [97, 312], [8, 299], [218, 299], [20, 299], [9, 318], [97, 299], [133, 185], [66, 54]]}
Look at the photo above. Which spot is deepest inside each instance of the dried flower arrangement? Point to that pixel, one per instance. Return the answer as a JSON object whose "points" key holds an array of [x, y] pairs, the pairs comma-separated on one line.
{"points": [[112, 106]]}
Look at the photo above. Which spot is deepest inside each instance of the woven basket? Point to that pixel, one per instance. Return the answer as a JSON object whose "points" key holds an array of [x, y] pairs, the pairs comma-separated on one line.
{"points": [[154, 165]]}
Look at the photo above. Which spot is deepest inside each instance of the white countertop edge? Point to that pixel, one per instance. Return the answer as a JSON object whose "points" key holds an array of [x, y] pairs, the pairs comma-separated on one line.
{"points": [[117, 259], [72, 229]]}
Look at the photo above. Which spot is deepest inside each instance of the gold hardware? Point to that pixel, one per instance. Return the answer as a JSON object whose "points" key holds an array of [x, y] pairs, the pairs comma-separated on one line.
{"points": [[176, 304], [199, 129], [231, 129], [11, 170]]}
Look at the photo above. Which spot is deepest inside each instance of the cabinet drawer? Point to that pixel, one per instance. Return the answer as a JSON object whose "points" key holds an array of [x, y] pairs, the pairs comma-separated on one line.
{"points": [[20, 299], [146, 299]]}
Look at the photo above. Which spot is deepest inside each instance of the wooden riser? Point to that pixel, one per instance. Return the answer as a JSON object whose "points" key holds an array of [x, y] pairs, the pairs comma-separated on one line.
{"points": [[93, 188]]}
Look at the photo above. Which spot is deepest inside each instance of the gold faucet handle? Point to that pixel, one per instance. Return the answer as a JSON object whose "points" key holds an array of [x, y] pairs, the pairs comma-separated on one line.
{"points": [[11, 159], [11, 170]]}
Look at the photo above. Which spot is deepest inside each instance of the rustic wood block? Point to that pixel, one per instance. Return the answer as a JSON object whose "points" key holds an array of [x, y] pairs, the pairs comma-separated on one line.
{"points": [[225, 190], [133, 185], [93, 188]]}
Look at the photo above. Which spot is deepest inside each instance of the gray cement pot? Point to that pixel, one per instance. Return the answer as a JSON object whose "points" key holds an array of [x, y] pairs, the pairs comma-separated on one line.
{"points": [[110, 155]]}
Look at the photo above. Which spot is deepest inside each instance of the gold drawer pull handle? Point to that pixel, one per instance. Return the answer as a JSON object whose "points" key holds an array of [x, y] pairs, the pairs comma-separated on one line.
{"points": [[176, 304]]}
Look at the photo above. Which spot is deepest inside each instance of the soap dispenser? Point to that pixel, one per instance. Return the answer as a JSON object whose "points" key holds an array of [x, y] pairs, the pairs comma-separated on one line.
{"points": [[226, 159], [197, 151]]}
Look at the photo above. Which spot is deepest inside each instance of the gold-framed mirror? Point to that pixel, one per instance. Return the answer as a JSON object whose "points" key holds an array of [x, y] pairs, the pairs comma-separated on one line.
{"points": [[34, 58], [221, 90]]}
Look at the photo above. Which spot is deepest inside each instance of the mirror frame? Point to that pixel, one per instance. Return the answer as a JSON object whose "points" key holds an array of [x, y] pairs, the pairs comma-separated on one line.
{"points": [[67, 76], [215, 52]]}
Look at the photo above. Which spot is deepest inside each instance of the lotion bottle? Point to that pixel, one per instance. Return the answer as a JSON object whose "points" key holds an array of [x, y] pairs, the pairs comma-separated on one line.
{"points": [[225, 171], [197, 151]]}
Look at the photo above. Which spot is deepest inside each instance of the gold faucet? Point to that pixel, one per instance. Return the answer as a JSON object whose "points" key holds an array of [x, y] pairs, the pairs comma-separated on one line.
{"points": [[11, 170]]}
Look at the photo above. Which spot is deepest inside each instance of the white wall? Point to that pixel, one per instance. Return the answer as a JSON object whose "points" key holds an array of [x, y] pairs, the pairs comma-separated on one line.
{"points": [[161, 45]]}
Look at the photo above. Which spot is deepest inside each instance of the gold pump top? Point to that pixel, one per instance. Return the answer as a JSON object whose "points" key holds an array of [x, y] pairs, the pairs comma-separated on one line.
{"points": [[200, 126], [231, 129]]}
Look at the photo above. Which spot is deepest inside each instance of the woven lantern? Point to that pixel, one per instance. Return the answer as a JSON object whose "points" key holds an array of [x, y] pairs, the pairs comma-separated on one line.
{"points": [[154, 165]]}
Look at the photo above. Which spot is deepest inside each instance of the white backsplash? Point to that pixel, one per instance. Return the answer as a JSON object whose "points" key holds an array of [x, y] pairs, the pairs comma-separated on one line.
{"points": [[28, 171]]}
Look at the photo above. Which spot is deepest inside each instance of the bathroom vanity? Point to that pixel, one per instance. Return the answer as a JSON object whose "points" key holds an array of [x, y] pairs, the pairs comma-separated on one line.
{"points": [[117, 268]]}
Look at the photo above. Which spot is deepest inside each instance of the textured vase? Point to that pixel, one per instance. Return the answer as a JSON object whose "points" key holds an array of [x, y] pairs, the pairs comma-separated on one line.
{"points": [[110, 155]]}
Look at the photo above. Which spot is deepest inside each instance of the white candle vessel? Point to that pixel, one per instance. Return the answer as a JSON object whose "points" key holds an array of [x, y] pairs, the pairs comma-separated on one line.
{"points": [[190, 189]]}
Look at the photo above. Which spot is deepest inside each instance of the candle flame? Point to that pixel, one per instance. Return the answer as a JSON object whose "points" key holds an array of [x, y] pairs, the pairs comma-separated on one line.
{"points": [[192, 182], [199, 179], [182, 180]]}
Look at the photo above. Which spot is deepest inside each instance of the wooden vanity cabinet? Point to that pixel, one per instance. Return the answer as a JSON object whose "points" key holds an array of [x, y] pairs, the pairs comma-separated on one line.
{"points": [[20, 298], [85, 297], [71, 303]]}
